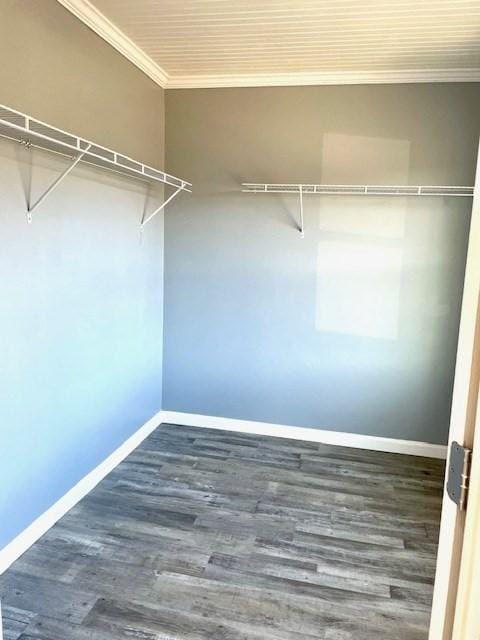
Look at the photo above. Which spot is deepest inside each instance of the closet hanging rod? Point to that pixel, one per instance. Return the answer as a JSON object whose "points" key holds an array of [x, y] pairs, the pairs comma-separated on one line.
{"points": [[358, 190], [31, 132]]}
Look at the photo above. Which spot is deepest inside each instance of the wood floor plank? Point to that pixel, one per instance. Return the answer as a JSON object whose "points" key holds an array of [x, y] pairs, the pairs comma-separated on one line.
{"points": [[15, 621], [202, 534]]}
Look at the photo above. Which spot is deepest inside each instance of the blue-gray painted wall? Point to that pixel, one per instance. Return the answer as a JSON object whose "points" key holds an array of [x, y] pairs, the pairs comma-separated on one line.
{"points": [[353, 328], [80, 291]]}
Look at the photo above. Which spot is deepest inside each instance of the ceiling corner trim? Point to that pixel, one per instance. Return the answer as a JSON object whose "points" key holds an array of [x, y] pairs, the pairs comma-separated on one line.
{"points": [[324, 78], [102, 26], [93, 18]]}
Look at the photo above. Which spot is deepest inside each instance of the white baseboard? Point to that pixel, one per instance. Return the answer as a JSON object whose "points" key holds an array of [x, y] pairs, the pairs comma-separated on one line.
{"points": [[374, 443], [42, 524]]}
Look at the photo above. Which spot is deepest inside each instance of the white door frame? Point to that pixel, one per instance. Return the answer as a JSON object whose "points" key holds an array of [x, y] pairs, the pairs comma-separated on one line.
{"points": [[462, 428], [467, 610]]}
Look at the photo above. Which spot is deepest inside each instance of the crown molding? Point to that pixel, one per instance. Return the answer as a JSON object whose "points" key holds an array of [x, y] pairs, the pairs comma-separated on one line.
{"points": [[324, 78], [93, 18]]}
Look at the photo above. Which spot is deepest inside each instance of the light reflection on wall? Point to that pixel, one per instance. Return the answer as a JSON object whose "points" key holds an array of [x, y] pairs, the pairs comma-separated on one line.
{"points": [[360, 252], [358, 288]]}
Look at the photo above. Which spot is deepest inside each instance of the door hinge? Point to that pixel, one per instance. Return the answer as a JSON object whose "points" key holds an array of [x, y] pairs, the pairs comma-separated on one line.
{"points": [[459, 474]]}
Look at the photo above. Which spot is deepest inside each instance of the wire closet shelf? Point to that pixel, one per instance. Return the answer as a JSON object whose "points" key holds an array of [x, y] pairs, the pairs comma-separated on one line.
{"points": [[30, 132], [354, 190], [358, 190]]}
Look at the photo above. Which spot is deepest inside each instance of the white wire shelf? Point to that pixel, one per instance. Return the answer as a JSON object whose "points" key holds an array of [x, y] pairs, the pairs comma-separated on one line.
{"points": [[358, 190], [30, 132], [354, 190]]}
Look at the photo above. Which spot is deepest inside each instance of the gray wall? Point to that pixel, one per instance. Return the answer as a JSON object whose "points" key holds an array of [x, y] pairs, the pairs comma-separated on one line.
{"points": [[80, 292], [353, 328]]}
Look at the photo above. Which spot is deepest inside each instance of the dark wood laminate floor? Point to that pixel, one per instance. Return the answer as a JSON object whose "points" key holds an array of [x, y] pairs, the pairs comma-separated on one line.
{"points": [[208, 535]]}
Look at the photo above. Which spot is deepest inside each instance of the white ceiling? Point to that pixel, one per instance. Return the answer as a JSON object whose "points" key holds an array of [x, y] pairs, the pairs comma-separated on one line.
{"points": [[254, 42]]}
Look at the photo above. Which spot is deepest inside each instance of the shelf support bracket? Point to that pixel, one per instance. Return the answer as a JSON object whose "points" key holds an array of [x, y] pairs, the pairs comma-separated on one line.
{"points": [[55, 183], [161, 207], [302, 233]]}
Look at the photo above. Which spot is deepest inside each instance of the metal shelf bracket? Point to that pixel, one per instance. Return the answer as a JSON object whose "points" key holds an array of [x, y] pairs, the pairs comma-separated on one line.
{"points": [[146, 219], [55, 183], [302, 232]]}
